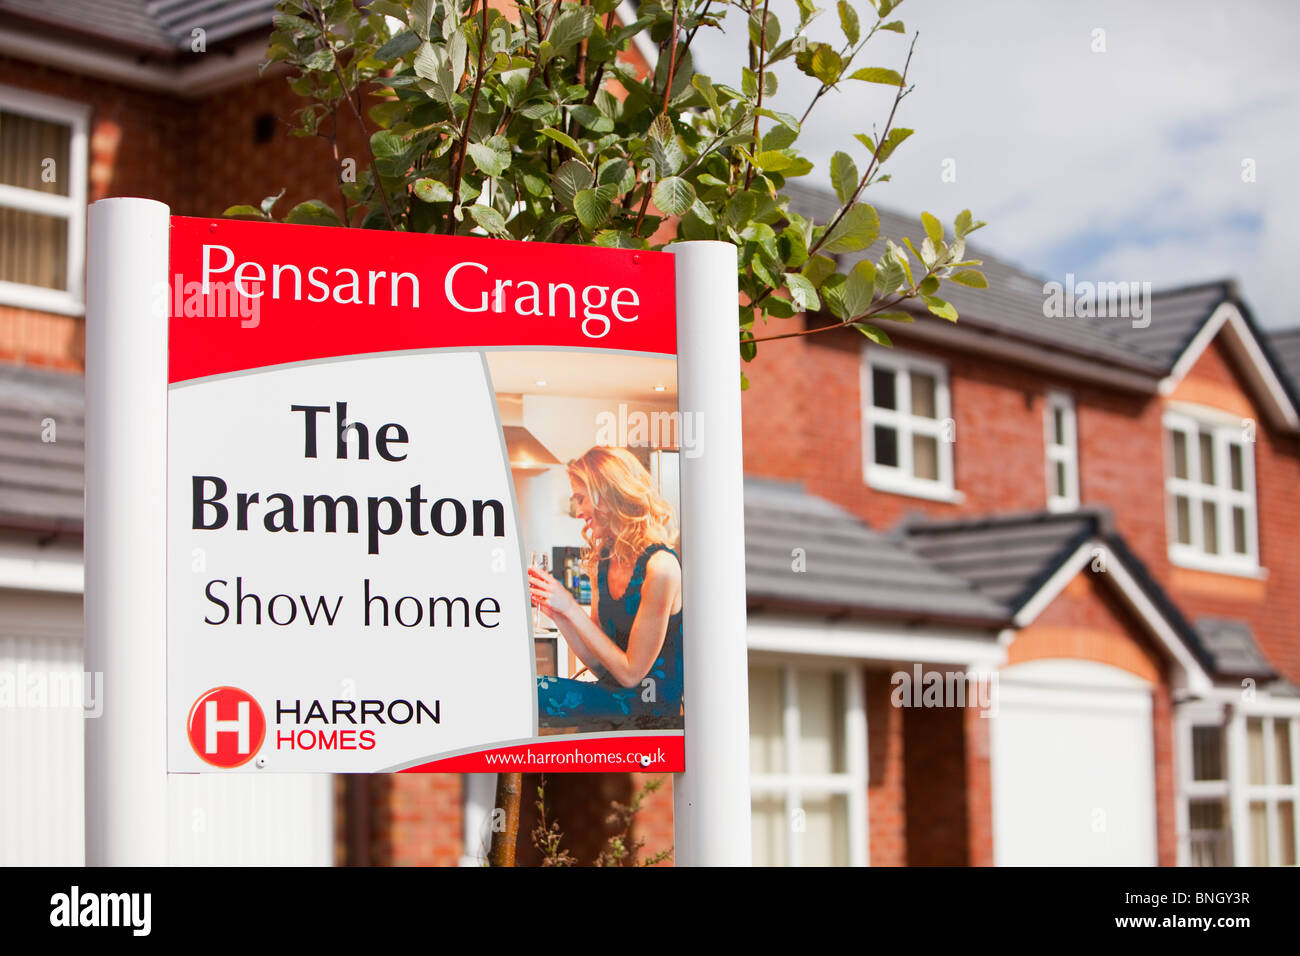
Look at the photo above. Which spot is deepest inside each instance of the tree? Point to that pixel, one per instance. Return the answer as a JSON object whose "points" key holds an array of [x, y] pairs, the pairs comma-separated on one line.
{"points": [[532, 126]]}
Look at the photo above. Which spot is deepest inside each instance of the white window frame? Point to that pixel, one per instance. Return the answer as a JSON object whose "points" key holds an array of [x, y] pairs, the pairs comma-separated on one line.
{"points": [[902, 479], [1066, 454], [1225, 430], [793, 785], [71, 207]]}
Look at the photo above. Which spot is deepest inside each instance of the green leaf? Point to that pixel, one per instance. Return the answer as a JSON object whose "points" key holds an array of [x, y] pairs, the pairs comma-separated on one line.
{"points": [[970, 277], [860, 289], [876, 335], [818, 269], [398, 46], [769, 39], [844, 176], [832, 291], [313, 212], [492, 222], [320, 61], [939, 307], [674, 195], [928, 286], [562, 138], [569, 180], [432, 190], [592, 118], [857, 230], [492, 162], [895, 25], [593, 206], [252, 211], [773, 161], [892, 142], [933, 228], [802, 292], [893, 317], [613, 239], [849, 22], [877, 74], [827, 65], [571, 26]]}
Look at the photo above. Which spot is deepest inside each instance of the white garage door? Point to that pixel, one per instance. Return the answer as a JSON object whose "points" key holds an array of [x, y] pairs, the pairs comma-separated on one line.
{"points": [[1073, 766], [284, 819]]}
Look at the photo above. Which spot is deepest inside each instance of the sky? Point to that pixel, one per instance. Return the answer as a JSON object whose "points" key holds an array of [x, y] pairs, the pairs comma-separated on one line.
{"points": [[1115, 155]]}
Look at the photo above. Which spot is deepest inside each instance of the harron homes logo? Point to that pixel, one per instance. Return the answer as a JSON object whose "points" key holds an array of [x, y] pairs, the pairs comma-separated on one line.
{"points": [[226, 727]]}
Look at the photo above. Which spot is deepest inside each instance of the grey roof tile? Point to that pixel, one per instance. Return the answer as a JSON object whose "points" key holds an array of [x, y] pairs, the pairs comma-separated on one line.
{"points": [[162, 26], [849, 567], [41, 482], [1286, 346], [1232, 647]]}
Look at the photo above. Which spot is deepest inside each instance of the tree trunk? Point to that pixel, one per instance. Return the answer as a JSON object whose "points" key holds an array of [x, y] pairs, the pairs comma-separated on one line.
{"points": [[504, 838]]}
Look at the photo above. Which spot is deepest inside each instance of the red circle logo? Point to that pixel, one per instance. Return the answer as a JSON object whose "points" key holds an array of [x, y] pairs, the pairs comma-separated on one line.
{"points": [[226, 727]]}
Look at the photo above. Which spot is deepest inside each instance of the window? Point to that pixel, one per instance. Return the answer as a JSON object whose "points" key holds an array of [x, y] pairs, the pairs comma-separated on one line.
{"points": [[1062, 453], [1271, 793], [42, 201], [1211, 493], [908, 433], [808, 774], [1241, 790]]}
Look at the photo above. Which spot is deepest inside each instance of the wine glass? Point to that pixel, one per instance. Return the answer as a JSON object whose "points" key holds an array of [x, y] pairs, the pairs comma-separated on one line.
{"points": [[537, 559]]}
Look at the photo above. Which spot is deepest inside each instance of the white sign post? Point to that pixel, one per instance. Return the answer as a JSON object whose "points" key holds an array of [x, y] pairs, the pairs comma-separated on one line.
{"points": [[711, 810], [126, 532]]}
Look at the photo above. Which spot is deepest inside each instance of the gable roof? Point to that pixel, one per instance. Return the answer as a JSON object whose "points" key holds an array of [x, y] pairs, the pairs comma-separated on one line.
{"points": [[1232, 648], [161, 27]]}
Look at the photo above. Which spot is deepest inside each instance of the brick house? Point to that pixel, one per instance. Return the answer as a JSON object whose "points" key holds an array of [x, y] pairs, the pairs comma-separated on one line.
{"points": [[1085, 524]]}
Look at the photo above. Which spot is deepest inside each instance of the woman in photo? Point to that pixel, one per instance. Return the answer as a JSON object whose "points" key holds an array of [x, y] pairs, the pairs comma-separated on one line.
{"points": [[632, 638]]}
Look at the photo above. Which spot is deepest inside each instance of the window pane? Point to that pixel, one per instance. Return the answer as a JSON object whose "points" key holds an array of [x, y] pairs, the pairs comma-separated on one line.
{"points": [[1286, 832], [1207, 458], [1282, 749], [766, 721], [1255, 749], [34, 154], [923, 395], [1210, 526], [883, 391], [1061, 490], [1238, 472], [1207, 753], [33, 249], [1183, 519], [1180, 455], [1210, 844], [1058, 426], [1258, 834], [886, 443], [826, 837], [769, 829], [1239, 530], [821, 722], [925, 456]]}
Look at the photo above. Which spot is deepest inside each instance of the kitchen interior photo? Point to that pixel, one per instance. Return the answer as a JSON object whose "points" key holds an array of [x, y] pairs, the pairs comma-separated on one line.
{"points": [[554, 406]]}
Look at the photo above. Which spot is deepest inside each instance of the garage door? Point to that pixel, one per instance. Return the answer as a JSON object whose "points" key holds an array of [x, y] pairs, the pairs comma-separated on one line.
{"points": [[1073, 766], [285, 819]]}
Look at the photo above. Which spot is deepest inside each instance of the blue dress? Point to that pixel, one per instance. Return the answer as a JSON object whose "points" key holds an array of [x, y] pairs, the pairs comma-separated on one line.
{"points": [[604, 704]]}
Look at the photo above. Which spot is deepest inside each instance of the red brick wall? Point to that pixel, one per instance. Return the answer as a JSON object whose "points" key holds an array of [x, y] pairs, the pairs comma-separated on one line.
{"points": [[934, 757], [415, 819], [886, 789]]}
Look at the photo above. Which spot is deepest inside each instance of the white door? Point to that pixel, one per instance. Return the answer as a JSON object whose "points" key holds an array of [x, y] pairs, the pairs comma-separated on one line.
{"points": [[237, 819], [1073, 766]]}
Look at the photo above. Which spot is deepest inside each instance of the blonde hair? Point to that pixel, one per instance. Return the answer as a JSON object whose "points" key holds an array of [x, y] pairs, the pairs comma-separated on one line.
{"points": [[630, 514]]}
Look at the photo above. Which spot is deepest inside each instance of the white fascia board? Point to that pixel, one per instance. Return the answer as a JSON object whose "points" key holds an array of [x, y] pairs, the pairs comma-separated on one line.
{"points": [[1245, 346], [1191, 676], [33, 568], [203, 74], [874, 641]]}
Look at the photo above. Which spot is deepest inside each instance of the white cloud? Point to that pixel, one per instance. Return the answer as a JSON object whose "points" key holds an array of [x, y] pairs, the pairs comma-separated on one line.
{"points": [[1125, 163]]}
